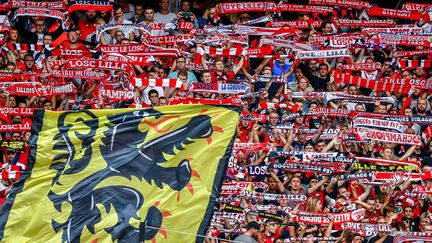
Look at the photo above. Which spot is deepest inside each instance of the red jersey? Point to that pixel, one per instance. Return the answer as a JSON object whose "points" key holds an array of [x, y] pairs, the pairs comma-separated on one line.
{"points": [[225, 77]]}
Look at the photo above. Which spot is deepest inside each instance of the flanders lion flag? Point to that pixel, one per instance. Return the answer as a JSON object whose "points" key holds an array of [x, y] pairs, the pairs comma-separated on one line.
{"points": [[121, 175]]}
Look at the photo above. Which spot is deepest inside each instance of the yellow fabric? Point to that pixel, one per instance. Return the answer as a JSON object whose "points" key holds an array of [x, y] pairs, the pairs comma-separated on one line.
{"points": [[32, 214]]}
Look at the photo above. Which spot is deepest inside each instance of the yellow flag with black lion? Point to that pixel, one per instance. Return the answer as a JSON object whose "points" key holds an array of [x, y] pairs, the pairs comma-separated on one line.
{"points": [[126, 175]]}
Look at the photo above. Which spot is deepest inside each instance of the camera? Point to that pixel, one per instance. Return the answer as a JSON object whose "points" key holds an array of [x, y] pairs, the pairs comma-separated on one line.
{"points": [[186, 16]]}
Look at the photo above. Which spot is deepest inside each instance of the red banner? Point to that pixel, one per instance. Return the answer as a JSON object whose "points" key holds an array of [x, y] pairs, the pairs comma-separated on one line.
{"points": [[16, 111], [320, 218], [36, 89]]}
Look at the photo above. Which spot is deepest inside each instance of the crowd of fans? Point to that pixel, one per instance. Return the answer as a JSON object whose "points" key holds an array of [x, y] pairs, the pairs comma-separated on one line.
{"points": [[297, 110]]}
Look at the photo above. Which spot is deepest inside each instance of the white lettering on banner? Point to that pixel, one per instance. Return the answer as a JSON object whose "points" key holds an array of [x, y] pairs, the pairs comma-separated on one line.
{"points": [[68, 88], [25, 90], [317, 155], [322, 54], [119, 94], [384, 124], [15, 127], [392, 137], [70, 52], [16, 111], [91, 2], [49, 5], [98, 64], [243, 146]]}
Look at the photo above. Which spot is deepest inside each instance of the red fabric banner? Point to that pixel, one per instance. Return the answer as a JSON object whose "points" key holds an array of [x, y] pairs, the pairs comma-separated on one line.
{"points": [[320, 218], [24, 89]]}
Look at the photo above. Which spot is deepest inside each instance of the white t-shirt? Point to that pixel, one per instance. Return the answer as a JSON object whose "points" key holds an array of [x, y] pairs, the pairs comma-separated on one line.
{"points": [[161, 18]]}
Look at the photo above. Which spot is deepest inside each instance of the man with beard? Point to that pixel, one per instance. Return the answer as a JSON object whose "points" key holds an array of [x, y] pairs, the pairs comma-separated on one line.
{"points": [[381, 237], [87, 24], [421, 108]]}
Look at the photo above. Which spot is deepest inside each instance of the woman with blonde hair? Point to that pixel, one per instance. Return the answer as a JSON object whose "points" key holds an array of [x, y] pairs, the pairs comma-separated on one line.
{"points": [[314, 205], [304, 85]]}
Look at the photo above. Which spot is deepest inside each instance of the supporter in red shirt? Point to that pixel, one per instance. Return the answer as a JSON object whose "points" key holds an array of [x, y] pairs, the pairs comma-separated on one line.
{"points": [[219, 74]]}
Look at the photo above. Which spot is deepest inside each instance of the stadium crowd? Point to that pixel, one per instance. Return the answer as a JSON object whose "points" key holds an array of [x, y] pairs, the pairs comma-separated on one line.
{"points": [[334, 142]]}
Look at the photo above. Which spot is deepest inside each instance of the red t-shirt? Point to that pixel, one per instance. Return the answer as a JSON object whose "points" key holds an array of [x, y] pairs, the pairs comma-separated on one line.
{"points": [[272, 238], [225, 77], [86, 28]]}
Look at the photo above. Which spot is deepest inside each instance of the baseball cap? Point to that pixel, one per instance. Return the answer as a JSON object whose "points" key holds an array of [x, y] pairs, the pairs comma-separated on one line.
{"points": [[253, 225]]}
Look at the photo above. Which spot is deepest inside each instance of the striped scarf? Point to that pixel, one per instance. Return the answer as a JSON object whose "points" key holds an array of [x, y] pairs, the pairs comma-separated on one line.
{"points": [[392, 13], [368, 67], [410, 64], [159, 82], [398, 85]]}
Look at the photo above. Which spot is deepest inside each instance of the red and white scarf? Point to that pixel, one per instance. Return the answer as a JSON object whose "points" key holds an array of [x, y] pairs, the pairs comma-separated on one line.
{"points": [[293, 45], [398, 39], [132, 48], [97, 64], [223, 8], [71, 53], [320, 218], [24, 89], [250, 146], [398, 54], [387, 137], [388, 162], [355, 23], [250, 116], [412, 236], [296, 167], [297, 24], [16, 111], [40, 12], [419, 7], [188, 100], [292, 108], [423, 189], [300, 8], [167, 39], [263, 31], [329, 96], [129, 59], [96, 5], [112, 94], [361, 122], [396, 30], [342, 3], [159, 82], [403, 86], [220, 88], [15, 127], [64, 73], [19, 46], [228, 52], [410, 64], [302, 55], [367, 230], [368, 67], [60, 5], [392, 13]]}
